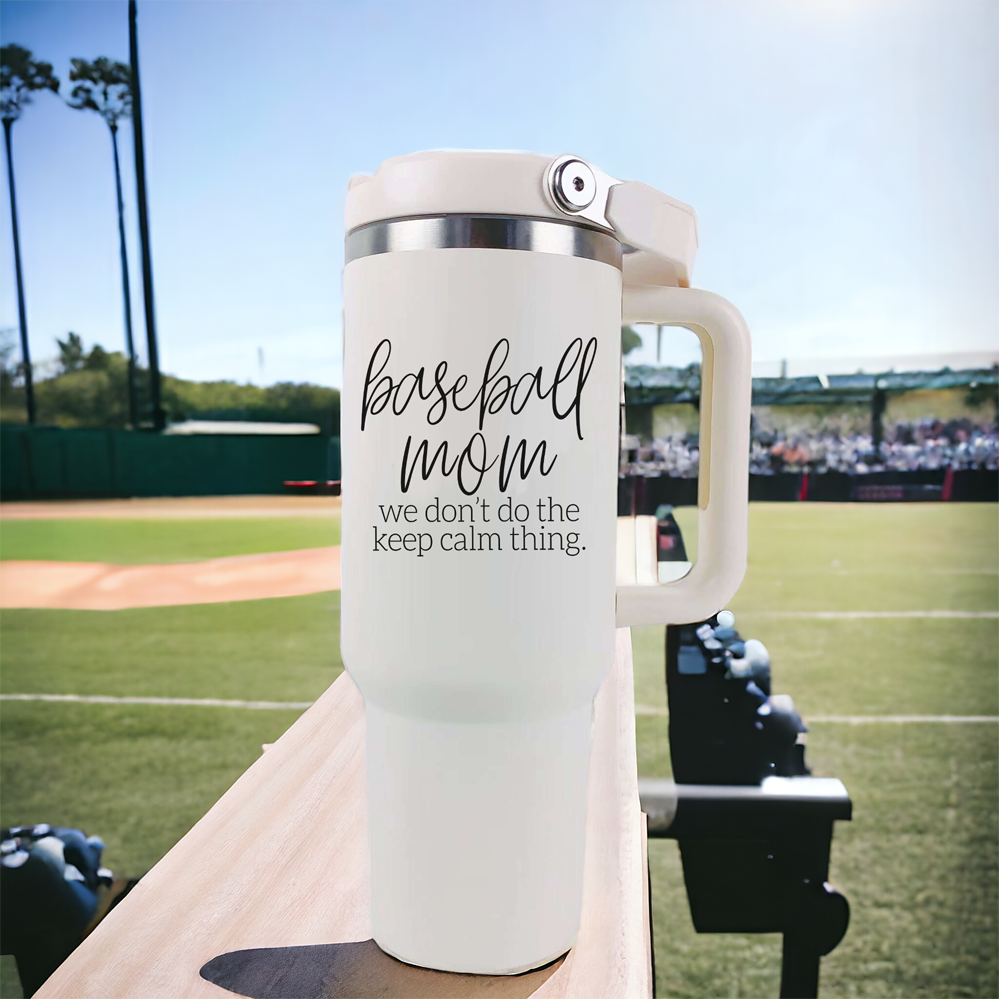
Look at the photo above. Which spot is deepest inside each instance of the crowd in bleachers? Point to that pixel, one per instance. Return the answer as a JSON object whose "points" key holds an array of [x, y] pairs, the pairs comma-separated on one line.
{"points": [[928, 444]]}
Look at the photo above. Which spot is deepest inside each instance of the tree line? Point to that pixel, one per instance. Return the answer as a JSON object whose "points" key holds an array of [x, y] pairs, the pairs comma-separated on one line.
{"points": [[90, 389]]}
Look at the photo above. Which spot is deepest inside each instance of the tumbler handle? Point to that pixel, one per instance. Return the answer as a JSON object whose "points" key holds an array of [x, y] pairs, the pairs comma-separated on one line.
{"points": [[723, 480]]}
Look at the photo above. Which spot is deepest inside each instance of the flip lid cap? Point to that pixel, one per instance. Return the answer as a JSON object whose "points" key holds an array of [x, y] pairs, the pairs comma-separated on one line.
{"points": [[659, 233]]}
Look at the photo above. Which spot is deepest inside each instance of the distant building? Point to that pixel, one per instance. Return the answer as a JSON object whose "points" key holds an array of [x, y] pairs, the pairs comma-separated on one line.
{"points": [[241, 428]]}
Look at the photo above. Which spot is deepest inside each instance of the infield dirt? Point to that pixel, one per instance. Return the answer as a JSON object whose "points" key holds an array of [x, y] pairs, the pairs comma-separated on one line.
{"points": [[100, 586]]}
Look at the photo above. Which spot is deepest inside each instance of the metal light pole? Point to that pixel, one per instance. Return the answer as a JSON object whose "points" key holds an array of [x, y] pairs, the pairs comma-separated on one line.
{"points": [[22, 318], [133, 414], [159, 417]]}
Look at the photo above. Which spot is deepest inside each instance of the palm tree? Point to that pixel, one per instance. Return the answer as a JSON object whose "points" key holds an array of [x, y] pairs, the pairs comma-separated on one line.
{"points": [[20, 75], [106, 87]]}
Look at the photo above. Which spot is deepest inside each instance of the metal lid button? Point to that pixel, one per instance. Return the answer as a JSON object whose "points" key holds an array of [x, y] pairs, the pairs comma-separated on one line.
{"points": [[573, 185]]}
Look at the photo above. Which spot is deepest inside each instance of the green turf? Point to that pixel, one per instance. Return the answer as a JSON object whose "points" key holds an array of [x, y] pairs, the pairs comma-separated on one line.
{"points": [[918, 862], [887, 557], [868, 556], [138, 542], [277, 650]]}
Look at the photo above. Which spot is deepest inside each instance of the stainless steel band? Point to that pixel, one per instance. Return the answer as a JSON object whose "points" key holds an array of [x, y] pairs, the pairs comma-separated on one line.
{"points": [[493, 232]]}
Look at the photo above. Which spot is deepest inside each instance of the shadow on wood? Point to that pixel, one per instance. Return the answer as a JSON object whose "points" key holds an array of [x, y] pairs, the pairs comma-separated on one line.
{"points": [[357, 970]]}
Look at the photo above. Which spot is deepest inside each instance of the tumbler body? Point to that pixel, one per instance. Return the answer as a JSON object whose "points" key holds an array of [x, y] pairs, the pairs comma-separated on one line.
{"points": [[479, 429]]}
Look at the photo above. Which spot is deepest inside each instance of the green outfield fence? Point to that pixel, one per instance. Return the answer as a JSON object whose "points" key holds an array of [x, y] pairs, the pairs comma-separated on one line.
{"points": [[54, 463]]}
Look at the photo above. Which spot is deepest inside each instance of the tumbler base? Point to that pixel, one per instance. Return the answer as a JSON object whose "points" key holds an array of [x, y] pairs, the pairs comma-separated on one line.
{"points": [[497, 974], [476, 835]]}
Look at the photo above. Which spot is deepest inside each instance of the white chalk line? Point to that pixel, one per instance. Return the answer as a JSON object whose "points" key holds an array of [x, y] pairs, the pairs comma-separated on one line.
{"points": [[651, 709], [880, 571], [640, 709], [902, 719], [965, 572], [200, 702], [860, 615], [183, 702]]}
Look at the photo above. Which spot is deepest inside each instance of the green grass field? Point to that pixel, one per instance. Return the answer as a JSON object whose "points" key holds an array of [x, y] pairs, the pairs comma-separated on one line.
{"points": [[138, 542], [918, 862]]}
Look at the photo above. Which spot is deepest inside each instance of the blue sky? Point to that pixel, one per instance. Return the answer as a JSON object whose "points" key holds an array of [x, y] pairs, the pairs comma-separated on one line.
{"points": [[842, 157]]}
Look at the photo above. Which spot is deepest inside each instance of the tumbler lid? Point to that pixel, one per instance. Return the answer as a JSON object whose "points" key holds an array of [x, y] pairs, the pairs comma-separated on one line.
{"points": [[659, 233]]}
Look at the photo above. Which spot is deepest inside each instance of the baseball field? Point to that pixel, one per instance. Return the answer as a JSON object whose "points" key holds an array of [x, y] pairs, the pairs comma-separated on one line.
{"points": [[882, 622]]}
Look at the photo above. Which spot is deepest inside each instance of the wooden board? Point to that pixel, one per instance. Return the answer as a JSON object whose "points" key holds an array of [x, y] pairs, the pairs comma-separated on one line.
{"points": [[637, 551], [280, 862]]}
